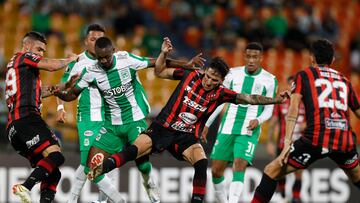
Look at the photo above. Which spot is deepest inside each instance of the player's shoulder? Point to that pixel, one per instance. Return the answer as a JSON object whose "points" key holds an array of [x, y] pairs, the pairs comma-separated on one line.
{"points": [[266, 74], [121, 55], [236, 71]]}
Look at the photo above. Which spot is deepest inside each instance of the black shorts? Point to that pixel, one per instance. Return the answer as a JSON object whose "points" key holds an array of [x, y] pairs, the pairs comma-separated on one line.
{"points": [[176, 142], [30, 136], [303, 154]]}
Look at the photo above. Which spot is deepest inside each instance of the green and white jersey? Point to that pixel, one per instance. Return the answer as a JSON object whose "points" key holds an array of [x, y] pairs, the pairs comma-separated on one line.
{"points": [[90, 104], [237, 117], [125, 100]]}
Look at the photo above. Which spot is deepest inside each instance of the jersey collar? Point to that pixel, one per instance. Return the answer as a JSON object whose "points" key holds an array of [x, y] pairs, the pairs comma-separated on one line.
{"points": [[253, 74], [87, 54]]}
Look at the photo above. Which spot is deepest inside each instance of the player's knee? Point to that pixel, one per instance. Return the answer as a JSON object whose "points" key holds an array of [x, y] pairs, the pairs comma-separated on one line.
{"points": [[57, 158], [57, 175], [131, 152]]}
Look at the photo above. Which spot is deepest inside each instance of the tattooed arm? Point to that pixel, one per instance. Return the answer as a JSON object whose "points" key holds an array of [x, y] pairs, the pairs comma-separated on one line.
{"points": [[47, 91], [55, 64], [257, 99]]}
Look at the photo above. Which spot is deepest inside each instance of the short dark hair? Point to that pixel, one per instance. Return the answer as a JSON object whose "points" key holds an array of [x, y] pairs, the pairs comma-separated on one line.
{"points": [[255, 46], [219, 65], [103, 42], [323, 51], [95, 27], [37, 36]]}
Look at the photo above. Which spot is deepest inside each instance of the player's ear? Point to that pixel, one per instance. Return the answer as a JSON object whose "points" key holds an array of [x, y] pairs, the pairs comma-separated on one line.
{"points": [[333, 60]]}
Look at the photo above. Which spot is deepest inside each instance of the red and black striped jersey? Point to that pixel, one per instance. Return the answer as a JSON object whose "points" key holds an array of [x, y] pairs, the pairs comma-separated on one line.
{"points": [[280, 112], [327, 96], [190, 105], [23, 86]]}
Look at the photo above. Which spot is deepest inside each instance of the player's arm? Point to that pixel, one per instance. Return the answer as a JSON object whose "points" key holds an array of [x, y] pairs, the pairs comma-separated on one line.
{"points": [[258, 99], [46, 91], [291, 119], [357, 113], [55, 64], [69, 95], [273, 130], [161, 69]]}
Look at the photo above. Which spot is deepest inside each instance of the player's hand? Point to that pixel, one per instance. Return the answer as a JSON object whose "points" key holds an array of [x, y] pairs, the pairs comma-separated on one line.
{"points": [[166, 46], [285, 95], [253, 124], [284, 156], [61, 116], [270, 148], [71, 83], [204, 134], [196, 62]]}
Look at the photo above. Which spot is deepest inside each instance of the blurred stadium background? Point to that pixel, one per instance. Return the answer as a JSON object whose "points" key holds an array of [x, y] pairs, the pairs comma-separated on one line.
{"points": [[213, 27]]}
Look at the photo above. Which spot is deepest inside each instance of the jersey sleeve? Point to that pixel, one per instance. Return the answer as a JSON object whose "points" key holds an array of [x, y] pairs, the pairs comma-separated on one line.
{"points": [[85, 80], [180, 73], [227, 80], [138, 62], [353, 99], [298, 84], [67, 72], [227, 95], [31, 59]]}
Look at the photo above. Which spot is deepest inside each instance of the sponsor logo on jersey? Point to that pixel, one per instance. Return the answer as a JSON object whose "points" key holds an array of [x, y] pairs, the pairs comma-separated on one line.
{"points": [[181, 126], [125, 75], [194, 105], [118, 91], [335, 115], [258, 89], [88, 133], [33, 141], [188, 118], [336, 124]]}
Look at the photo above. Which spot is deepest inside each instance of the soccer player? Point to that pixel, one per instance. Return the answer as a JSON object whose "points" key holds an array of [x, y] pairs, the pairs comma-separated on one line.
{"points": [[126, 105], [178, 125], [327, 96], [27, 132], [239, 133], [90, 116], [277, 127]]}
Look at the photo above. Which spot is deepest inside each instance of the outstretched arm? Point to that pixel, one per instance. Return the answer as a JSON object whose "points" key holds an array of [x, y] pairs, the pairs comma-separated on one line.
{"points": [[258, 99], [55, 64]]}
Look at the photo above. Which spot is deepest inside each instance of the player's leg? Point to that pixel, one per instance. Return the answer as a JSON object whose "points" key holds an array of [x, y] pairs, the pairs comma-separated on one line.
{"points": [[195, 155], [297, 187], [220, 156], [142, 146], [301, 156], [132, 131], [244, 151], [48, 187], [32, 138], [106, 143], [281, 181], [349, 162], [87, 130]]}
